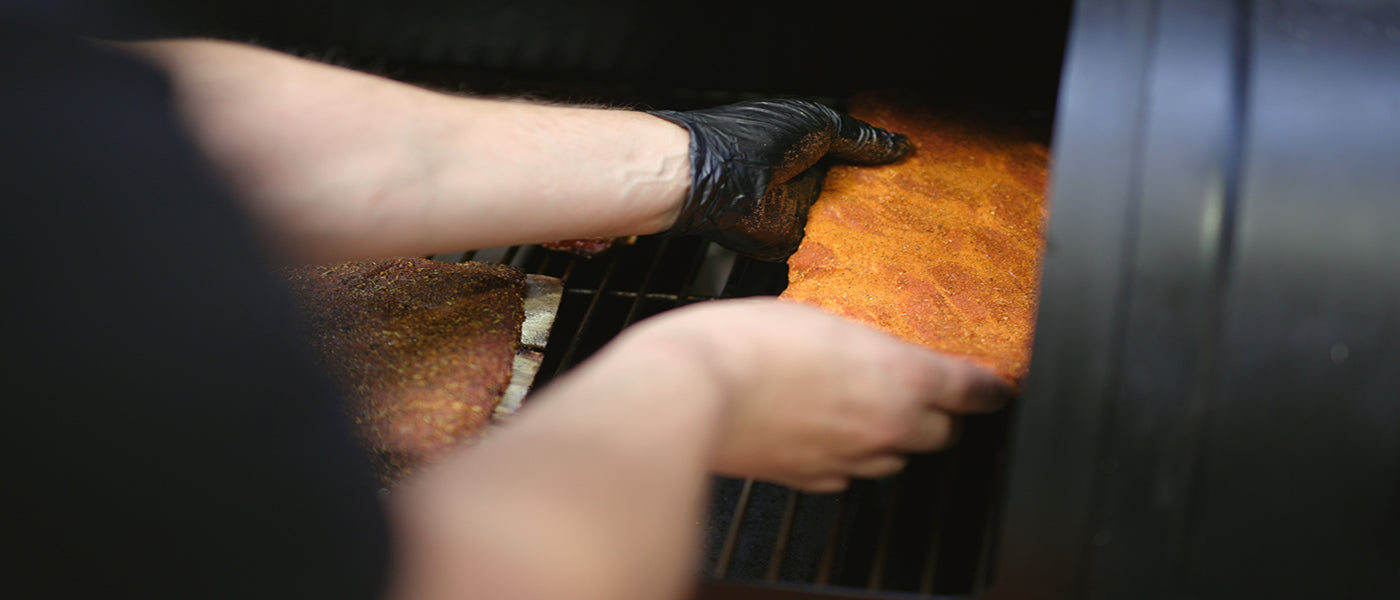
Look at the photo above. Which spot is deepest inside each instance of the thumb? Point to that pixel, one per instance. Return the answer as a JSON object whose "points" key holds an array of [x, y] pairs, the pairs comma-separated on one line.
{"points": [[773, 229], [861, 142]]}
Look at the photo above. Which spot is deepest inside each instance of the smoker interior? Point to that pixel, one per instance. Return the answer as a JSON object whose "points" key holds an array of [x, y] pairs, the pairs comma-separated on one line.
{"points": [[926, 531], [1211, 410], [1212, 406], [929, 531]]}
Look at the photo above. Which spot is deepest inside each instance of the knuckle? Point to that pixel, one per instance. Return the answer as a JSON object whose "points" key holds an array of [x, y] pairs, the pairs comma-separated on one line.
{"points": [[946, 432], [936, 433], [883, 466], [886, 431], [964, 390], [980, 391], [917, 369], [830, 484], [958, 393]]}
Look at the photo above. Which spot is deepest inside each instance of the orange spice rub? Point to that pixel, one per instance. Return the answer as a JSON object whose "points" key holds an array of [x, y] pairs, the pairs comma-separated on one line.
{"points": [[422, 350], [942, 248]]}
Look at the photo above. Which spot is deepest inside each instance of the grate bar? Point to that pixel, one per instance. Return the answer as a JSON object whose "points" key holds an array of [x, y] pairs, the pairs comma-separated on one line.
{"points": [[574, 343], [490, 255], [983, 577], [687, 294], [882, 545], [509, 256], [674, 298], [986, 567], [544, 263], [736, 275], [834, 538], [731, 535], [647, 279], [569, 269], [929, 575], [775, 561], [716, 264]]}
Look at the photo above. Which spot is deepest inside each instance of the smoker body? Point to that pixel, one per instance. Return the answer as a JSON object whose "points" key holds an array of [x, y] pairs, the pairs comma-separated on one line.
{"points": [[1213, 409], [1214, 404]]}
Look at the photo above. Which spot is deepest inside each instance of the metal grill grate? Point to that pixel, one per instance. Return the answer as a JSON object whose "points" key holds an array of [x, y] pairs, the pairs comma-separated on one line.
{"points": [[928, 531]]}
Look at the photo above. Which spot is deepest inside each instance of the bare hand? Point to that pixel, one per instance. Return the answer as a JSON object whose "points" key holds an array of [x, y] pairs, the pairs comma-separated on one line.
{"points": [[814, 399]]}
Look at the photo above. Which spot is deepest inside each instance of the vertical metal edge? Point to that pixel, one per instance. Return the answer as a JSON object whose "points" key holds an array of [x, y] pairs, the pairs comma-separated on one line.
{"points": [[1188, 445], [1185, 198], [1056, 437]]}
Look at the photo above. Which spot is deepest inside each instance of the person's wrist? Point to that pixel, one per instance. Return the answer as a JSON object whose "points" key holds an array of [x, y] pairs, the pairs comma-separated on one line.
{"points": [[708, 339], [674, 146], [679, 351]]}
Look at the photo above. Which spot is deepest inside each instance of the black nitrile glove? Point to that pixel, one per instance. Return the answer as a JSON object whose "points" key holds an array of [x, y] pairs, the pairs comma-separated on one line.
{"points": [[753, 174]]}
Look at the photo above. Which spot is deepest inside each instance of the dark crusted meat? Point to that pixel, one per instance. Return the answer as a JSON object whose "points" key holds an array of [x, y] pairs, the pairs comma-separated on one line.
{"points": [[422, 349]]}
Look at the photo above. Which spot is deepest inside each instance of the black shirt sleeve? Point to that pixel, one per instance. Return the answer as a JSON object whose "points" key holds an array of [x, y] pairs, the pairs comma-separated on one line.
{"points": [[165, 434]]}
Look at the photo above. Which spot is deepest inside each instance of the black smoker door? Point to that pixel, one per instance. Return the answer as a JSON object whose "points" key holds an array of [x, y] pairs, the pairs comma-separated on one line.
{"points": [[1214, 406]]}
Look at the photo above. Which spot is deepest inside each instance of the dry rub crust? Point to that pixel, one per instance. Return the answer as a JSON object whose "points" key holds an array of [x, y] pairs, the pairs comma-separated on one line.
{"points": [[942, 248], [423, 350]]}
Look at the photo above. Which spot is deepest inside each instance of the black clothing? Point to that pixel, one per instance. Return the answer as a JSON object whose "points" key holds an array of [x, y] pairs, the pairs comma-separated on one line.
{"points": [[165, 433]]}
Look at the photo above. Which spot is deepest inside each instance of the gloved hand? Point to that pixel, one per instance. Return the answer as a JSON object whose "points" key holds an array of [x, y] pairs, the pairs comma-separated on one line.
{"points": [[754, 173]]}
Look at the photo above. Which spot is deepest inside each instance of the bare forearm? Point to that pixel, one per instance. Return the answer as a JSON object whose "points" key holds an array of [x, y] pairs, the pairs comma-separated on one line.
{"points": [[339, 164], [595, 492]]}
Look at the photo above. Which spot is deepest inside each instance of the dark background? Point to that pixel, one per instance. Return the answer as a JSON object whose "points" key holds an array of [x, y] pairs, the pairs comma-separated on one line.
{"points": [[1004, 53]]}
